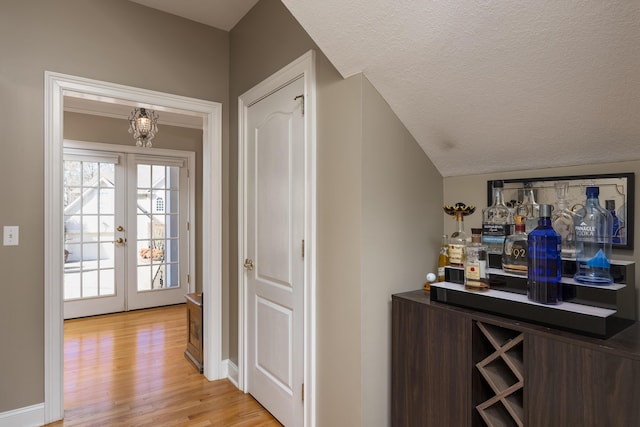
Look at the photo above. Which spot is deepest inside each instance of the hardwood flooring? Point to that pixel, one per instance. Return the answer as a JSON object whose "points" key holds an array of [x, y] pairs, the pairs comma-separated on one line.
{"points": [[128, 369]]}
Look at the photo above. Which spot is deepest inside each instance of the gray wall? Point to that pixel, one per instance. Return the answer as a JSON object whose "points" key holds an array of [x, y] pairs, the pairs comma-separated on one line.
{"points": [[97, 39]]}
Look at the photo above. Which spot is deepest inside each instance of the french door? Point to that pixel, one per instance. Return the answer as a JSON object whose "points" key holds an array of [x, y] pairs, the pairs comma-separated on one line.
{"points": [[126, 231]]}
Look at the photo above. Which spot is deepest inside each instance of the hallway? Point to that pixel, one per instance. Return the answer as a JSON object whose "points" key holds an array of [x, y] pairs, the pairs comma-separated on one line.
{"points": [[128, 369]]}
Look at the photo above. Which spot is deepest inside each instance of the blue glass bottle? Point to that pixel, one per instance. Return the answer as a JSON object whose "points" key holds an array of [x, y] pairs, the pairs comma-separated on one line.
{"points": [[593, 228], [610, 205], [544, 261]]}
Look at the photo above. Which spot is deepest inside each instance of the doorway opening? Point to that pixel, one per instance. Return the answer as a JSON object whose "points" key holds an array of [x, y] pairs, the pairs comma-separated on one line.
{"points": [[127, 233], [59, 87]]}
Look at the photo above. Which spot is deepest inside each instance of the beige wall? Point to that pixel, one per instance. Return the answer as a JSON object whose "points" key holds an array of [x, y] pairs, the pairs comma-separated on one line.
{"points": [[472, 190], [90, 128], [90, 38], [401, 194]]}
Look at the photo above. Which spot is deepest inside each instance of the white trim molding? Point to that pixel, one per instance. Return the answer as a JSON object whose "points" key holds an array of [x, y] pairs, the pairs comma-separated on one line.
{"points": [[57, 87], [302, 67], [29, 416]]}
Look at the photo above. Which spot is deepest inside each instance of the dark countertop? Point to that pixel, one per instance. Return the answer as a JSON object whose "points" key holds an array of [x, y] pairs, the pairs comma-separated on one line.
{"points": [[624, 343]]}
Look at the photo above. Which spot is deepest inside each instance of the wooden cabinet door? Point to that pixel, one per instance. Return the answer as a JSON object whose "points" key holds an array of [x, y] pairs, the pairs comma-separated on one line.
{"points": [[569, 385], [431, 367]]}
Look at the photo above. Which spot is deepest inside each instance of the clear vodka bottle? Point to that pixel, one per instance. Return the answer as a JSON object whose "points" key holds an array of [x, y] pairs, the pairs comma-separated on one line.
{"points": [[593, 228], [529, 208]]}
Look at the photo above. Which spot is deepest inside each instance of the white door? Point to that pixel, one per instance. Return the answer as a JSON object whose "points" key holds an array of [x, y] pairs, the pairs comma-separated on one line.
{"points": [[126, 232], [94, 245], [274, 265]]}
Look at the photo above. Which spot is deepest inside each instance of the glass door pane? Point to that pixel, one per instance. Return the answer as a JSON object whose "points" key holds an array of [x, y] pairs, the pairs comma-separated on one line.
{"points": [[157, 219], [89, 218]]}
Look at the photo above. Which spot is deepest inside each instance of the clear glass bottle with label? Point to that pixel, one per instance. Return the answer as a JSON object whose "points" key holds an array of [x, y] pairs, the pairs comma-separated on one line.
{"points": [[476, 273], [514, 258], [593, 227], [458, 242], [497, 221]]}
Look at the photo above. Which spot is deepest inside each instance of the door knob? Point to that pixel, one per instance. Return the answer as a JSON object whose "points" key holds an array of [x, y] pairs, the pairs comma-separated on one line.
{"points": [[120, 241], [120, 228], [248, 264]]}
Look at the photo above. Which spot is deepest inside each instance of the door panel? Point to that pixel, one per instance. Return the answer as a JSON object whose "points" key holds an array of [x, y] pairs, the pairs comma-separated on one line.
{"points": [[92, 275], [275, 232], [159, 254]]}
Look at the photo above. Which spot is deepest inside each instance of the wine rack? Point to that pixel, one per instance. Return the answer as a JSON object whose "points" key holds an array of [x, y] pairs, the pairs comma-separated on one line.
{"points": [[503, 371]]}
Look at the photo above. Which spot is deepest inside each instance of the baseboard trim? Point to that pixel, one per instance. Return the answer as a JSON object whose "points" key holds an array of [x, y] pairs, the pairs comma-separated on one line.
{"points": [[29, 416], [229, 370]]}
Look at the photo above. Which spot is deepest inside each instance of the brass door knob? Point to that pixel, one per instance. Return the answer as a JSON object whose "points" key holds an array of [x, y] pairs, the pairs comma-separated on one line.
{"points": [[248, 264]]}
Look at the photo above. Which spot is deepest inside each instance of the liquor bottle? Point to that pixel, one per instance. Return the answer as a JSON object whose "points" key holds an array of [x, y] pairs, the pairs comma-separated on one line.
{"points": [[530, 209], [497, 221], [459, 239], [545, 262], [443, 257], [514, 257], [562, 221], [616, 233], [458, 242], [593, 227], [476, 273]]}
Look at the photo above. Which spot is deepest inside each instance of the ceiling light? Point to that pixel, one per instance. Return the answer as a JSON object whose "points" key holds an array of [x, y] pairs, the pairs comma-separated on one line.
{"points": [[143, 125]]}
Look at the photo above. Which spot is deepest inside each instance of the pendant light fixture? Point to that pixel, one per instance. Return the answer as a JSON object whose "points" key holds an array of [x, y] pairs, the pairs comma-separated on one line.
{"points": [[143, 125]]}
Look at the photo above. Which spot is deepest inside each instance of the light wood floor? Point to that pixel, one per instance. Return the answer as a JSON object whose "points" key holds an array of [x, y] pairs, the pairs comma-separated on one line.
{"points": [[128, 369]]}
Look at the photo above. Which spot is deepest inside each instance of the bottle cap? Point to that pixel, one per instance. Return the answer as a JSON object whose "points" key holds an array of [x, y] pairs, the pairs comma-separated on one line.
{"points": [[593, 191], [498, 183], [610, 205], [545, 211], [476, 231]]}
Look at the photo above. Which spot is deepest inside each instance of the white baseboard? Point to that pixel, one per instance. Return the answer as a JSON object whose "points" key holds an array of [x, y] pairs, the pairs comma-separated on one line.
{"points": [[29, 416], [228, 370]]}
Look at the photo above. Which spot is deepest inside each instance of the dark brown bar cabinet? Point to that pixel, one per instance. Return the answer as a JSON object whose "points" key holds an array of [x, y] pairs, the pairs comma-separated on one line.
{"points": [[193, 353], [454, 366]]}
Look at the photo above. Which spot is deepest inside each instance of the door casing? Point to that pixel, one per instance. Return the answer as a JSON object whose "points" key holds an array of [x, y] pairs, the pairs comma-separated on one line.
{"points": [[305, 67], [57, 87]]}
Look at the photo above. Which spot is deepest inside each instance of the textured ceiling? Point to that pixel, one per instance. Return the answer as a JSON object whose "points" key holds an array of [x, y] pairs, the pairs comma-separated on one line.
{"points": [[486, 85]]}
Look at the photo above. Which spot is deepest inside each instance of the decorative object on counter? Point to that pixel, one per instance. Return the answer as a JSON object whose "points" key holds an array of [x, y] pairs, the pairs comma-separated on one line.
{"points": [[618, 223], [563, 219], [476, 273], [459, 239], [514, 257], [497, 221], [443, 257], [529, 209], [545, 261], [593, 227], [431, 278], [143, 124]]}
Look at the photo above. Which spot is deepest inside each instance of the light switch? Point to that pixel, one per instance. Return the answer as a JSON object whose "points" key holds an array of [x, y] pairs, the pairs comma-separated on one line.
{"points": [[11, 233]]}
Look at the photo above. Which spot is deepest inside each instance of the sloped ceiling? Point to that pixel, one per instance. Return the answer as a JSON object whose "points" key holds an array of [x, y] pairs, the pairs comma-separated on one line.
{"points": [[494, 85]]}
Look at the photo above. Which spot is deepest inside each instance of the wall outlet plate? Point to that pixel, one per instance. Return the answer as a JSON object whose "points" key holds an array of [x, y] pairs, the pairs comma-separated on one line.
{"points": [[11, 235]]}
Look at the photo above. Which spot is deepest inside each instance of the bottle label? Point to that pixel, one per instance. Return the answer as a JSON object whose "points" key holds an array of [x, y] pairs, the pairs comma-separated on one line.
{"points": [[473, 271], [585, 231], [456, 254], [440, 274], [496, 229]]}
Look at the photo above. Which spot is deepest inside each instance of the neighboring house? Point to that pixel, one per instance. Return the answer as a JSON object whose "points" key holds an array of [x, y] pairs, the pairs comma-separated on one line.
{"points": [[150, 216]]}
